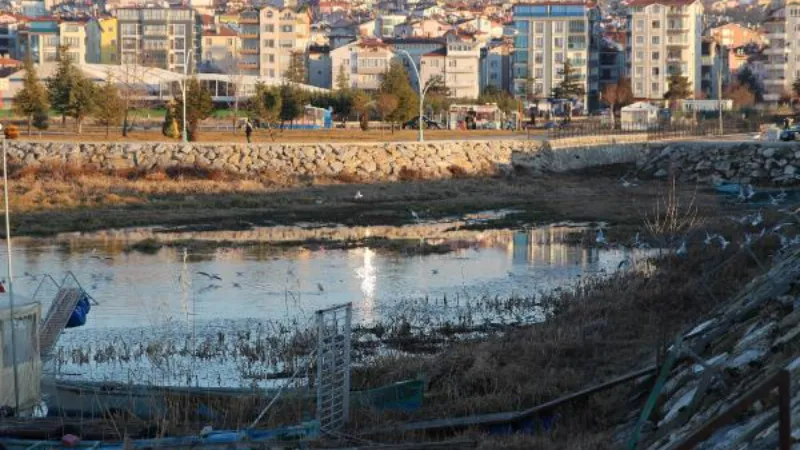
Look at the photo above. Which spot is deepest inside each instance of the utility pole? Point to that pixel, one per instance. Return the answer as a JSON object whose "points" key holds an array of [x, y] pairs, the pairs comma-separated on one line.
{"points": [[719, 89]]}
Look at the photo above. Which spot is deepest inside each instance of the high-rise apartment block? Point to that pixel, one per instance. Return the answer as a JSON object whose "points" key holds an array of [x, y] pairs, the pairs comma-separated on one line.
{"points": [[782, 66], [41, 39], [165, 38], [664, 37], [270, 39], [548, 35]]}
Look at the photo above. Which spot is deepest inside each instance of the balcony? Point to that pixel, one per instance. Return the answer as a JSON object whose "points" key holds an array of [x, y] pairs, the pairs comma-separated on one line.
{"points": [[248, 35], [775, 66], [677, 43], [249, 20], [249, 51], [248, 64], [707, 61], [773, 81]]}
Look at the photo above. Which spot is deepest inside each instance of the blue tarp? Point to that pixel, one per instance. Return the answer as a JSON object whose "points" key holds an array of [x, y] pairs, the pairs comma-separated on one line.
{"points": [[78, 316]]}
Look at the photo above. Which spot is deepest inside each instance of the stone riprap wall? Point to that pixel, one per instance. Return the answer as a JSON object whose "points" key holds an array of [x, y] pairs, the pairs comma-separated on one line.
{"points": [[741, 162], [367, 161]]}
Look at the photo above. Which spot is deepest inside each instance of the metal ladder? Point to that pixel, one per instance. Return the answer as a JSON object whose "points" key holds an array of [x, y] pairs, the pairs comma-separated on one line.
{"points": [[69, 292]]}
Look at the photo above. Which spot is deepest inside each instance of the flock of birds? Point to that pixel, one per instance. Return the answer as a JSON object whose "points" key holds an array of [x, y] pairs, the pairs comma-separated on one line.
{"points": [[755, 220]]}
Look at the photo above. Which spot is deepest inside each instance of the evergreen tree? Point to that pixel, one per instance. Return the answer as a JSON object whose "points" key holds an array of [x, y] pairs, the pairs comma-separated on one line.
{"points": [[395, 82], [60, 84], [82, 98], [296, 72], [199, 107], [170, 127], [109, 107], [291, 103], [342, 80], [31, 101], [746, 77], [386, 104], [571, 87], [679, 87], [265, 106]]}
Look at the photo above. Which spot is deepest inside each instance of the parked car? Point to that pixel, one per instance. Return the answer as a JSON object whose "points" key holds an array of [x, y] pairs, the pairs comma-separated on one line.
{"points": [[427, 123], [790, 134]]}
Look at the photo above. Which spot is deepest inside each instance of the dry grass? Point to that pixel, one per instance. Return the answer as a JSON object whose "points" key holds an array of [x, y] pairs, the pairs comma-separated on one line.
{"points": [[602, 329], [53, 199]]}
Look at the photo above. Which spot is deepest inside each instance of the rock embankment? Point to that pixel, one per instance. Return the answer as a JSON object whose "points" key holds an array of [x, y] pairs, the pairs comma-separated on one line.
{"points": [[708, 162]]}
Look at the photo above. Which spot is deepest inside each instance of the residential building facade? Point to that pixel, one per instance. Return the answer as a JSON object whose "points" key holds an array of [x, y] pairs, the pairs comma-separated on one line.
{"points": [[496, 65], [102, 41], [39, 40], [549, 35], [714, 69], [782, 55], [270, 38], [734, 36], [665, 36], [457, 65], [220, 50], [9, 24], [165, 38], [363, 63], [319, 66]]}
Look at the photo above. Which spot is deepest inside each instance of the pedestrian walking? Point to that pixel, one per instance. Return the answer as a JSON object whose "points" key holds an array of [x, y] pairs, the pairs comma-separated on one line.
{"points": [[248, 130]]}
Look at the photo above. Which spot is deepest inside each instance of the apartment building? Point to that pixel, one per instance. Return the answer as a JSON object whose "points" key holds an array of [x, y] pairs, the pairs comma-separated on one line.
{"points": [[9, 23], [41, 39], [429, 28], [665, 36], [220, 50], [496, 65], [734, 36], [101, 38], [319, 66], [457, 64], [782, 64], [611, 61], [270, 37], [165, 38], [549, 34], [363, 62], [714, 72], [414, 48]]}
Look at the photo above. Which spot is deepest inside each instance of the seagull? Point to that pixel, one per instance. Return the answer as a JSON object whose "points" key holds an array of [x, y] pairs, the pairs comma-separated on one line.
{"points": [[722, 242], [318, 201], [709, 238], [773, 200], [210, 276], [757, 219], [782, 196], [682, 250], [414, 215], [239, 274], [626, 183], [359, 195], [435, 271], [749, 192], [320, 288], [601, 238], [779, 226], [237, 285]]}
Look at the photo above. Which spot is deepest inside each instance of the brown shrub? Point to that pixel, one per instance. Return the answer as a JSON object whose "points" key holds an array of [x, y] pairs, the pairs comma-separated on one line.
{"points": [[458, 171], [348, 177]]}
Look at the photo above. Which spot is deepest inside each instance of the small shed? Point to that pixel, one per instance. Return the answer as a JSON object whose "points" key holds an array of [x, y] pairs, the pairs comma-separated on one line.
{"points": [[24, 353], [639, 116]]}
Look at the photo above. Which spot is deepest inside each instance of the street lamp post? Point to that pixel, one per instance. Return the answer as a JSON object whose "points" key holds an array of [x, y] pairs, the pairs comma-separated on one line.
{"points": [[187, 59], [422, 90], [10, 275], [719, 89]]}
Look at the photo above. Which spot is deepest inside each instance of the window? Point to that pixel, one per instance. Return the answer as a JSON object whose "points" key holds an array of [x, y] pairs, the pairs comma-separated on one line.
{"points": [[269, 43], [640, 56], [179, 28], [639, 71], [155, 30], [640, 39], [655, 87], [640, 25], [539, 73], [129, 29], [558, 42], [230, 42], [271, 58], [269, 28], [271, 71], [656, 56], [559, 58], [656, 71], [655, 40], [559, 27], [286, 28], [179, 44], [656, 9], [538, 58], [452, 63], [208, 42], [639, 88], [656, 24], [538, 27]]}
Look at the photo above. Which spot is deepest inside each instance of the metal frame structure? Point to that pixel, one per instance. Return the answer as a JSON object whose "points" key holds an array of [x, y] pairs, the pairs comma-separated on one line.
{"points": [[333, 366]]}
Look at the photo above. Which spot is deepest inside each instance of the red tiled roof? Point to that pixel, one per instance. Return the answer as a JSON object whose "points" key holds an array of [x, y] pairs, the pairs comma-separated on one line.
{"points": [[5, 62]]}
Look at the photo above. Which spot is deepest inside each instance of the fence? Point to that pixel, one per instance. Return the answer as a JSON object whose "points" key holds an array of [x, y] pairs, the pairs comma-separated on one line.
{"points": [[594, 127]]}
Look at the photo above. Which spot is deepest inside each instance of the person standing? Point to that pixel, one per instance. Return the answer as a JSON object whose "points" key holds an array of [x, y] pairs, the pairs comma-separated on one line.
{"points": [[248, 130]]}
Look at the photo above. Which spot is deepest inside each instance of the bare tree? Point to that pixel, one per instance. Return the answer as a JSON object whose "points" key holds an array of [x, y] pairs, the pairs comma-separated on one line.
{"points": [[617, 95], [231, 68], [132, 84]]}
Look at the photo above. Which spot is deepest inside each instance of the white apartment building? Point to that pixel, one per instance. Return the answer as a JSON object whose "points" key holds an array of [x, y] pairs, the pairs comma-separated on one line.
{"points": [[415, 48], [270, 38], [164, 38], [782, 65], [41, 38], [550, 33], [664, 36], [458, 65], [363, 62]]}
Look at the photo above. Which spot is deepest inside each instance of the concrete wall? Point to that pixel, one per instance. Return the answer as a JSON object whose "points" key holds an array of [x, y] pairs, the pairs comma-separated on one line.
{"points": [[367, 161]]}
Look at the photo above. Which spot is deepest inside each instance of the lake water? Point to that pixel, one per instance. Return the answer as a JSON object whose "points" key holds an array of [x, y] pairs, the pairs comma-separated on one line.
{"points": [[173, 293]]}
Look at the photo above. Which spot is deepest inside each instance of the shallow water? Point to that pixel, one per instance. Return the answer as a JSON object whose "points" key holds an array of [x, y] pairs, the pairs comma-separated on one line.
{"points": [[171, 294]]}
